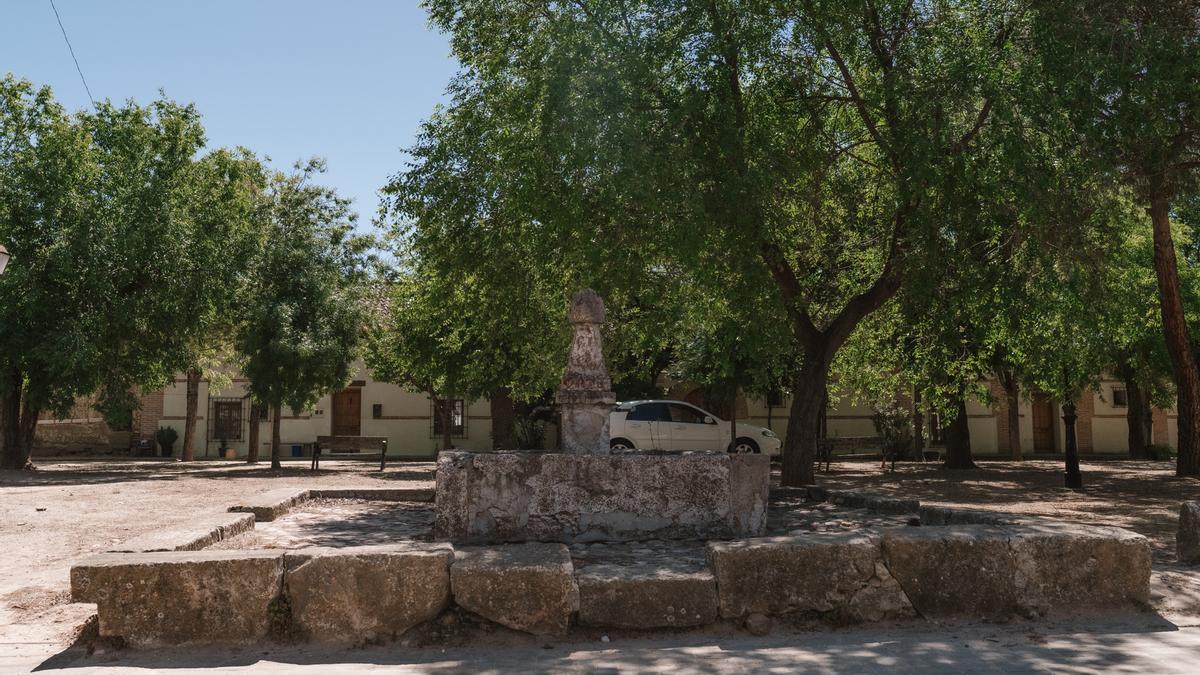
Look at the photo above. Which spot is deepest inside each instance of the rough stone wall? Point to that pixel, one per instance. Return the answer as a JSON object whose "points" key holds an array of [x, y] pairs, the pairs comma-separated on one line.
{"points": [[498, 497], [83, 435]]}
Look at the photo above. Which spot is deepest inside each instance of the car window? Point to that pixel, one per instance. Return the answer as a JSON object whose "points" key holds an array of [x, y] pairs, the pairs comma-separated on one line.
{"points": [[648, 412], [685, 414]]}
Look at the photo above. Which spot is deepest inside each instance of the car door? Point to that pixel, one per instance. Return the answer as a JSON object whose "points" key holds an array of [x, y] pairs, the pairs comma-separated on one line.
{"points": [[645, 425], [689, 431]]}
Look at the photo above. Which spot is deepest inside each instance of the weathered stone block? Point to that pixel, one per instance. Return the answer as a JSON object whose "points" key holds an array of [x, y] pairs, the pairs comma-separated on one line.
{"points": [[1065, 568], [498, 497], [367, 593], [957, 570], [201, 532], [1187, 538], [1028, 569], [181, 598], [527, 587], [943, 515], [645, 597], [838, 574], [272, 504]]}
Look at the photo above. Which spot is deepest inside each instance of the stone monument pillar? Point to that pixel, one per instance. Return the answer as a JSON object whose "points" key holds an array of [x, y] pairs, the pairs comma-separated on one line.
{"points": [[585, 394]]}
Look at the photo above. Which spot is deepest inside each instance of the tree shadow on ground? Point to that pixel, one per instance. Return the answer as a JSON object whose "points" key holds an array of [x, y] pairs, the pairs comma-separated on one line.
{"points": [[1142, 643], [1141, 496]]}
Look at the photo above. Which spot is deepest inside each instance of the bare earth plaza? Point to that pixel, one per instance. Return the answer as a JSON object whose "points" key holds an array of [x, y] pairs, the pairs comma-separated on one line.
{"points": [[600, 336]]}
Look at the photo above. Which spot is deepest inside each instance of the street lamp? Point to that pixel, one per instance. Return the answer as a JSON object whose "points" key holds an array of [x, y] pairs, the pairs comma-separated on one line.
{"points": [[4, 256]]}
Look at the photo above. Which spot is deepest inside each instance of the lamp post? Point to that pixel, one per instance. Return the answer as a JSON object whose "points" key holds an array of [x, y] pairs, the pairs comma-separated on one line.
{"points": [[4, 256], [1073, 478]]}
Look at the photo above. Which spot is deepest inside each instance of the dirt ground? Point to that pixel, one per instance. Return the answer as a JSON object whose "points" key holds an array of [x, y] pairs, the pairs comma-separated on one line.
{"points": [[52, 518]]}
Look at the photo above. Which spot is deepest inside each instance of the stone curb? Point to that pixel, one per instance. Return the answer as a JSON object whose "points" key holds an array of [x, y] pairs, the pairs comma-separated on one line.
{"points": [[272, 504], [204, 532], [378, 494], [615, 596], [852, 499]]}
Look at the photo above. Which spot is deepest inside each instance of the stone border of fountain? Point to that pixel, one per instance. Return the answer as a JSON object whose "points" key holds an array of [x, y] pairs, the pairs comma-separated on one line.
{"points": [[981, 566]]}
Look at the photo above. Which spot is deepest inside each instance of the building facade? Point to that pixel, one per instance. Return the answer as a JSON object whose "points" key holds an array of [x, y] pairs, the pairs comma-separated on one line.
{"points": [[407, 419]]}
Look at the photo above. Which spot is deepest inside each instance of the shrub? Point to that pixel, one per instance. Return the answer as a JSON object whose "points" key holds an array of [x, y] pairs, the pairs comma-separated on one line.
{"points": [[893, 424], [166, 437], [1162, 453]]}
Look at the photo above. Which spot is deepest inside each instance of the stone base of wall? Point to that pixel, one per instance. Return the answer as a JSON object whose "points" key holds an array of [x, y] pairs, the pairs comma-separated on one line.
{"points": [[550, 497]]}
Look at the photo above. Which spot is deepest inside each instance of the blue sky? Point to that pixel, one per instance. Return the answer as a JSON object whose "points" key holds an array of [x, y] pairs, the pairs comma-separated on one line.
{"points": [[349, 80]]}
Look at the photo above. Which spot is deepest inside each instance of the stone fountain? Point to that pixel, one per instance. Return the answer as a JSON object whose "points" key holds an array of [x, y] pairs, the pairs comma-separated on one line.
{"points": [[585, 493]]}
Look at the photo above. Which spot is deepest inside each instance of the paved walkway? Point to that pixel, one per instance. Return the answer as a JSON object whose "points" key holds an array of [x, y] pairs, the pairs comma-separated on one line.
{"points": [[1140, 644]]}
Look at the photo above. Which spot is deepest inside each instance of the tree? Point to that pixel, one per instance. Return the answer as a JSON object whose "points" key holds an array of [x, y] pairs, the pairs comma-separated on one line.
{"points": [[1138, 111], [225, 228], [91, 209], [304, 307], [803, 141]]}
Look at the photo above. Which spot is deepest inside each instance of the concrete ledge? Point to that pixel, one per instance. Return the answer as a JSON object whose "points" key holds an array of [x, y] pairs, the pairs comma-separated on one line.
{"points": [[204, 531], [182, 598], [876, 503], [367, 593], [1187, 537], [527, 587], [840, 575], [378, 494], [645, 597], [268, 506]]}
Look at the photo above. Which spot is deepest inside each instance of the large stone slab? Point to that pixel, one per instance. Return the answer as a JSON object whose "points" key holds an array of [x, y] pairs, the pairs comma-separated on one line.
{"points": [[201, 532], [499, 497], [367, 593], [645, 597], [527, 587], [269, 505], [182, 598], [378, 494], [1187, 538], [1030, 569], [839, 574]]}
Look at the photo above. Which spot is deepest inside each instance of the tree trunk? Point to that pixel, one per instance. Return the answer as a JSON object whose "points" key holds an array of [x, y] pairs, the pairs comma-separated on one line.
{"points": [[447, 432], [10, 420], [502, 420], [1179, 345], [803, 432], [189, 421], [918, 422], [1139, 418], [958, 439], [1012, 401], [252, 440], [733, 435], [276, 413]]}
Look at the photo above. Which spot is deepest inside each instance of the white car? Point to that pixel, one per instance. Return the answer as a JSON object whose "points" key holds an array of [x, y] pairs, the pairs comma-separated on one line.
{"points": [[676, 425]]}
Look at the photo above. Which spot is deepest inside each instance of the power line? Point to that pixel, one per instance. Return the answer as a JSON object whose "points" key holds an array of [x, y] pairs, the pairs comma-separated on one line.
{"points": [[72, 50]]}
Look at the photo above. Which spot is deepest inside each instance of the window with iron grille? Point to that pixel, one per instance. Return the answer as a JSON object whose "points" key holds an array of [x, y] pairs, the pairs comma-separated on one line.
{"points": [[225, 418], [1120, 398], [458, 417]]}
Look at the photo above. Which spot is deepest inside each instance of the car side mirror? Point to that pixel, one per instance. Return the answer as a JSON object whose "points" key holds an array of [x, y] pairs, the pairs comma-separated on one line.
{"points": [[709, 420]]}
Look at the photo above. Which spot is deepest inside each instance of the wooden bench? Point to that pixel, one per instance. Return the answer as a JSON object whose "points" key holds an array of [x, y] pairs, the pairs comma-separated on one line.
{"points": [[350, 447]]}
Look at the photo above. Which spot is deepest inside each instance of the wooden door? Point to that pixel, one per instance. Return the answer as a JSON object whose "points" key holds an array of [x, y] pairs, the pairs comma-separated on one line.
{"points": [[347, 413], [1043, 423]]}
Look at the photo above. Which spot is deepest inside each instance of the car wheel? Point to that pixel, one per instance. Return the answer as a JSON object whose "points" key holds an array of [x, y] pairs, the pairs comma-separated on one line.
{"points": [[620, 444], [745, 446]]}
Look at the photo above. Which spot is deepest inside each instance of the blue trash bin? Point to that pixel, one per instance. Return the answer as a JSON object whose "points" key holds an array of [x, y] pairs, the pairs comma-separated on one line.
{"points": [[297, 451]]}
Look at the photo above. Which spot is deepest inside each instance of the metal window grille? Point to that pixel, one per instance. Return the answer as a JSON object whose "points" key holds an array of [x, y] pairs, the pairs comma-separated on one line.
{"points": [[458, 418], [225, 417]]}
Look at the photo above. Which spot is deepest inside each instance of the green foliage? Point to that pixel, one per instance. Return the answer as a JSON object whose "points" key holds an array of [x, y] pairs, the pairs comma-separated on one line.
{"points": [[893, 424], [166, 437], [305, 305], [1162, 453]]}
